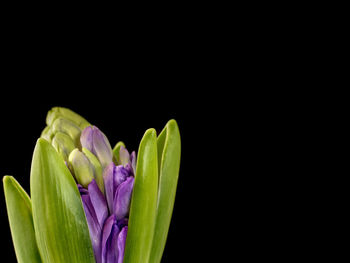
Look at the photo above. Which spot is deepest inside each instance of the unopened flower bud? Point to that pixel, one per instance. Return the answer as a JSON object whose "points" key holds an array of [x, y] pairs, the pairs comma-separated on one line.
{"points": [[83, 170], [63, 144], [96, 142], [97, 168], [65, 113], [68, 127], [47, 134]]}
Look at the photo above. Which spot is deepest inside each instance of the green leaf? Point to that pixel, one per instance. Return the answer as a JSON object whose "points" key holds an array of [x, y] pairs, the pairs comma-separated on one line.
{"points": [[143, 202], [60, 225], [19, 210], [116, 151], [169, 149]]}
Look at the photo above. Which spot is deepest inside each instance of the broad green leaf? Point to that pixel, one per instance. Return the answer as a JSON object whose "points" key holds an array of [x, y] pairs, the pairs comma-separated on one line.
{"points": [[60, 225], [116, 151], [169, 149], [143, 202], [19, 210]]}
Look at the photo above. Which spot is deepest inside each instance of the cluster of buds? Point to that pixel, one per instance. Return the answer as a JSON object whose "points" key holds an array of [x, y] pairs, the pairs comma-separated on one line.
{"points": [[92, 203], [105, 181]]}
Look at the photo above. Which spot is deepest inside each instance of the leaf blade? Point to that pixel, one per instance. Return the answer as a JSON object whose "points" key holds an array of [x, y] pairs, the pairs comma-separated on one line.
{"points": [[143, 202], [19, 211], [59, 220], [169, 151]]}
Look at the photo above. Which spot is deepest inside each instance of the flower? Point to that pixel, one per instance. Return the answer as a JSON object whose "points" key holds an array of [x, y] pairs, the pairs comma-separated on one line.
{"points": [[106, 216], [90, 203], [108, 236], [97, 143], [105, 188]]}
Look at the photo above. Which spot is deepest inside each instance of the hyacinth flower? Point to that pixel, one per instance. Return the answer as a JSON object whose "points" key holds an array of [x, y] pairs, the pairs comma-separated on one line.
{"points": [[92, 203]]}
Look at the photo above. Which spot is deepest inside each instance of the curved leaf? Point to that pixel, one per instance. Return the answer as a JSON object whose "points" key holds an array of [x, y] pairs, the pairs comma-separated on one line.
{"points": [[169, 149], [19, 210], [59, 220], [143, 202]]}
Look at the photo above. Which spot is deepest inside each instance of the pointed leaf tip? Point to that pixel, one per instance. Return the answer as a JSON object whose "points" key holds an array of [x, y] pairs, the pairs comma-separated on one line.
{"points": [[143, 202], [19, 210], [169, 150], [62, 232]]}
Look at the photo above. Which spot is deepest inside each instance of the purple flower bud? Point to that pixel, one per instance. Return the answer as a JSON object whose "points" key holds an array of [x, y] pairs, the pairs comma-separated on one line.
{"points": [[133, 161], [99, 202], [94, 227], [109, 240], [128, 160], [121, 244], [82, 190], [124, 155], [96, 142], [122, 223], [108, 178], [96, 213], [107, 215], [113, 176], [122, 198]]}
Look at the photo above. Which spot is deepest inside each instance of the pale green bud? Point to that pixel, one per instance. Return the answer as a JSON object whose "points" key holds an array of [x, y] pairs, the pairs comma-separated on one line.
{"points": [[63, 144], [65, 113], [116, 151], [97, 168], [82, 167], [68, 127], [47, 134]]}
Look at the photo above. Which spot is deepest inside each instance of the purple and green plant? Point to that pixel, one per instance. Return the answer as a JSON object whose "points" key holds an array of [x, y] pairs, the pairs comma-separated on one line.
{"points": [[92, 203]]}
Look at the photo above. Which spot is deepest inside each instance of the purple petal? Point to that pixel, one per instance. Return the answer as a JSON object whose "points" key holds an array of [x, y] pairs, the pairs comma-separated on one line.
{"points": [[108, 178], [122, 198], [96, 142], [124, 155], [99, 202], [122, 223], [94, 226], [105, 235], [86, 138], [102, 148], [121, 244], [82, 190], [120, 176], [133, 161], [111, 247], [109, 228], [129, 169]]}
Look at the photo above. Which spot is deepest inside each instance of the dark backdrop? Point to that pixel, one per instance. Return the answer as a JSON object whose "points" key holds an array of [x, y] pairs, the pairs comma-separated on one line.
{"points": [[234, 83], [123, 112], [125, 85]]}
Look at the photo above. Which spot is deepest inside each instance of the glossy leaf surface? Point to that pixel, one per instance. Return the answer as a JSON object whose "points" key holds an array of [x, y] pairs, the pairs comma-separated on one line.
{"points": [[60, 225], [144, 202], [19, 210], [169, 149]]}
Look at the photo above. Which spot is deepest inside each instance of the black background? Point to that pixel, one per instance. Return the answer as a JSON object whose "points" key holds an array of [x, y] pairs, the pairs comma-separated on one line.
{"points": [[123, 102], [122, 113], [237, 133], [124, 82], [243, 85]]}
